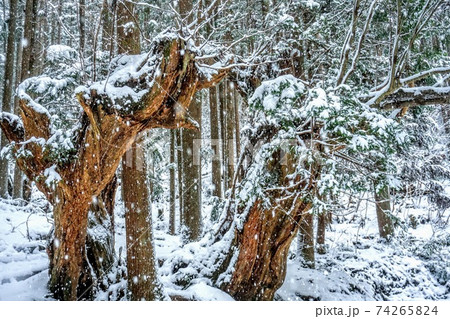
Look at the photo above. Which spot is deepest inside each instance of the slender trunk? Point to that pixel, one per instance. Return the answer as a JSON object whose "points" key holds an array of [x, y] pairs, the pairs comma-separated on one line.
{"points": [[180, 176], [107, 26], [237, 130], [18, 176], [383, 208], [172, 184], [142, 281], [59, 37], [322, 222], [8, 90], [26, 52], [229, 134], [215, 143], [81, 25], [191, 141], [223, 138], [307, 240]]}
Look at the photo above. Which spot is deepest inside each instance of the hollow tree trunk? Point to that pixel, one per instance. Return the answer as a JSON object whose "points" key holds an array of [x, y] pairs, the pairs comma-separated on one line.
{"points": [[99, 243], [68, 247], [263, 250], [264, 241]]}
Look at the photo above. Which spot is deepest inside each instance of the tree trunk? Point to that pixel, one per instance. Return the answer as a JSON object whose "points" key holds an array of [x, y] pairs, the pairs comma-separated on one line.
{"points": [[27, 50], [192, 177], [82, 25], [68, 247], [180, 176], [263, 247], [307, 240], [18, 176], [107, 26], [142, 280], [8, 90], [99, 256], [172, 184], [223, 136], [262, 244], [383, 208], [322, 222], [229, 134], [58, 33], [215, 144], [237, 126]]}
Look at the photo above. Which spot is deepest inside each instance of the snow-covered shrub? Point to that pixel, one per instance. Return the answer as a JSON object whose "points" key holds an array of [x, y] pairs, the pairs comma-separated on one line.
{"points": [[351, 142]]}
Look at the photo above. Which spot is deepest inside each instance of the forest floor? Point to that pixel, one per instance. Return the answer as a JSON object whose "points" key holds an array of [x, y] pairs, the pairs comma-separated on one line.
{"points": [[357, 265]]}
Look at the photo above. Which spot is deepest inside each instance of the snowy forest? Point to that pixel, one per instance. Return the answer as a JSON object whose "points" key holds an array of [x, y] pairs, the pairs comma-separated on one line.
{"points": [[225, 150]]}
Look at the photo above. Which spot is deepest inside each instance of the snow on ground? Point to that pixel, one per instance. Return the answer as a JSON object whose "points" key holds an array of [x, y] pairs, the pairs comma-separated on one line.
{"points": [[23, 259], [357, 265]]}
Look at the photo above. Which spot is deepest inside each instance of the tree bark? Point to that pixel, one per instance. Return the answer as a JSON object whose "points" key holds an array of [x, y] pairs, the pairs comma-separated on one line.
{"points": [[262, 245], [68, 247], [215, 144], [307, 240], [142, 280], [192, 177], [223, 136], [108, 11], [99, 244], [322, 222], [229, 134], [180, 176], [383, 208], [27, 68], [172, 184], [82, 25], [8, 90]]}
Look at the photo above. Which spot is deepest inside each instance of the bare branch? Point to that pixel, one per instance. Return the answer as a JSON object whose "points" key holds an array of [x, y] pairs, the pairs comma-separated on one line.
{"points": [[348, 43], [410, 97], [360, 42]]}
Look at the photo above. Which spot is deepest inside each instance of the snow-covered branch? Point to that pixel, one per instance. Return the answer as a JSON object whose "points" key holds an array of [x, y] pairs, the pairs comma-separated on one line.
{"points": [[410, 97]]}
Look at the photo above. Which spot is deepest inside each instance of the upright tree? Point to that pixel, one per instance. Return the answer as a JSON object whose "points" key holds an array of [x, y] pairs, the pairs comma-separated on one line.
{"points": [[8, 84], [191, 146], [142, 278]]}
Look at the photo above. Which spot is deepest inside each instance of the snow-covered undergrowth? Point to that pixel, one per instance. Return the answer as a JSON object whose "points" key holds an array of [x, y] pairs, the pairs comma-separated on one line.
{"points": [[415, 265], [23, 259], [357, 265]]}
